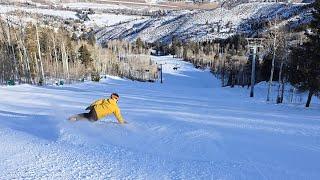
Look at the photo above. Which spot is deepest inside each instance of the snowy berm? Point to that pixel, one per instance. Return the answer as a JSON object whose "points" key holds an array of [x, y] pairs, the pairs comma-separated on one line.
{"points": [[189, 127]]}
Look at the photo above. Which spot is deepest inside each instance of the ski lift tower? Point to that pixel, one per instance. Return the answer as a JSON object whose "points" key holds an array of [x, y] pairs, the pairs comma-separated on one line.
{"points": [[160, 69], [254, 44]]}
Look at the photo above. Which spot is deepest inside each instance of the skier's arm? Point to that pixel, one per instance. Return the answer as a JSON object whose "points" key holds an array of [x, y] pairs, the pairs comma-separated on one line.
{"points": [[117, 113], [97, 102]]}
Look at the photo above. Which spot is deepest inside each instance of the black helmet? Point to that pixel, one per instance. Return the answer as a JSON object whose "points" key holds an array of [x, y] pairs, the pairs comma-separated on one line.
{"points": [[115, 94]]}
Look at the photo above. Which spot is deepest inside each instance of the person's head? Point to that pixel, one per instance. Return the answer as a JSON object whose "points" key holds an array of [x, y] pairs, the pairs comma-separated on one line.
{"points": [[115, 96]]}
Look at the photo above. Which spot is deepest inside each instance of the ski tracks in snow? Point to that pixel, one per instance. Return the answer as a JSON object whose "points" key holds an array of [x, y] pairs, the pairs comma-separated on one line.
{"points": [[187, 128]]}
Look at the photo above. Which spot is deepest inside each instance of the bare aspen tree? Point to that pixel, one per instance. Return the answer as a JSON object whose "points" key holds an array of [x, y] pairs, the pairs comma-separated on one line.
{"points": [[67, 64], [65, 61], [22, 59], [11, 66], [55, 54], [275, 33], [16, 73], [39, 54], [281, 84], [284, 61], [25, 52], [36, 63]]}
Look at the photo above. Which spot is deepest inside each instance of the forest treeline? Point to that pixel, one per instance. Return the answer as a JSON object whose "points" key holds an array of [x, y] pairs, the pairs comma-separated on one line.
{"points": [[288, 56], [38, 54]]}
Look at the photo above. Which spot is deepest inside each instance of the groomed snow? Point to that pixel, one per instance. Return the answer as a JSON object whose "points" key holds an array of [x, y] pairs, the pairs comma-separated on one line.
{"points": [[187, 128]]}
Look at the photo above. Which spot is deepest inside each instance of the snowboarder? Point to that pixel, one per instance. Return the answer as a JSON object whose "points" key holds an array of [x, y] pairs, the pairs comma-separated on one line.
{"points": [[100, 109]]}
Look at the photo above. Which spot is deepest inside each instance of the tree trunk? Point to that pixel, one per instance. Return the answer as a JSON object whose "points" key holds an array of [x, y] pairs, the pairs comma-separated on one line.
{"points": [[309, 98], [65, 62], [37, 67], [282, 91], [39, 54], [223, 73], [272, 67], [23, 69], [13, 53], [25, 54], [67, 65], [6, 54], [280, 81], [55, 56]]}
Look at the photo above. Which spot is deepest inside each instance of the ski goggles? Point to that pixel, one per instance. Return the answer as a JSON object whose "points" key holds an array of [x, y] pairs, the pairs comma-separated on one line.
{"points": [[115, 98]]}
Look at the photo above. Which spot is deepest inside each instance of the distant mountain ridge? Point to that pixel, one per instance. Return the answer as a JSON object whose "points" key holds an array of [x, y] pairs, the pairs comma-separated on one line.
{"points": [[204, 25]]}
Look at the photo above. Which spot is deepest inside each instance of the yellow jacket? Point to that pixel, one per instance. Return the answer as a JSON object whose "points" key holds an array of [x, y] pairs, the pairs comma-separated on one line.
{"points": [[104, 107]]}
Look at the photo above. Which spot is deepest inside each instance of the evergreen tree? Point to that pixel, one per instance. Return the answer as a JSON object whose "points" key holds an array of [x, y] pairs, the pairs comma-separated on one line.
{"points": [[305, 59], [139, 45], [85, 56], [91, 39], [175, 46]]}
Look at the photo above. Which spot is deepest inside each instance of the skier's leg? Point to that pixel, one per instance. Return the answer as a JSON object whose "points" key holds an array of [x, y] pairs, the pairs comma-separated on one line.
{"points": [[92, 115], [82, 116]]}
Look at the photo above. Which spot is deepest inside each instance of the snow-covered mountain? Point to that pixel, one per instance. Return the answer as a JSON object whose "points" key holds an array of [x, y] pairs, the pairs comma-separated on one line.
{"points": [[201, 25], [124, 21]]}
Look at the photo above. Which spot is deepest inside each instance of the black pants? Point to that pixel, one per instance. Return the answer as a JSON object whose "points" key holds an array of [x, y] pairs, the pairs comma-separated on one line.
{"points": [[91, 116]]}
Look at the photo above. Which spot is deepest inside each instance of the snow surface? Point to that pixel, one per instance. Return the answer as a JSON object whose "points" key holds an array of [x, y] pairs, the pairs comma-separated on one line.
{"points": [[96, 20], [51, 12], [86, 5], [107, 5], [105, 19], [187, 128]]}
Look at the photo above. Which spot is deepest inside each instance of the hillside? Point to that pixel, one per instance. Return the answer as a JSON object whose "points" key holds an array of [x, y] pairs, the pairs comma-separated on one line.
{"points": [[151, 23], [199, 25], [144, 4]]}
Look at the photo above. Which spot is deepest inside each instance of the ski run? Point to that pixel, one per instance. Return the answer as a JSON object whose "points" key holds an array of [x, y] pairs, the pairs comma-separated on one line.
{"points": [[189, 127]]}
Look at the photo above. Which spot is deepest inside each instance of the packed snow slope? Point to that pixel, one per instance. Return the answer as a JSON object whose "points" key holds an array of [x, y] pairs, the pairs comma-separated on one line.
{"points": [[187, 128]]}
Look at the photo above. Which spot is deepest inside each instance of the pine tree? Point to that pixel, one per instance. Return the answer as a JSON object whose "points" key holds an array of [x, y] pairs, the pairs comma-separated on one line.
{"points": [[85, 56], [305, 59], [139, 45], [175, 46], [91, 39]]}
